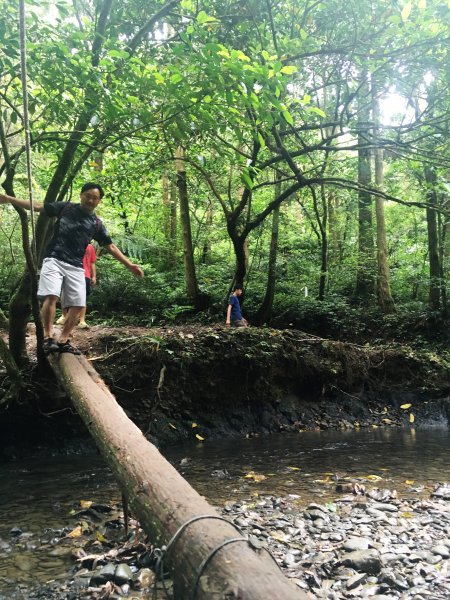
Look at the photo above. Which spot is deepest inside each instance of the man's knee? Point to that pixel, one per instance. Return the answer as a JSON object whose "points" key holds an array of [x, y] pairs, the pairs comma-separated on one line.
{"points": [[50, 299]]}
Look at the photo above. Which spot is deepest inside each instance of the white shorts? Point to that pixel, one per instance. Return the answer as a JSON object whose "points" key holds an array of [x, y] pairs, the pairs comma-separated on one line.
{"points": [[58, 277]]}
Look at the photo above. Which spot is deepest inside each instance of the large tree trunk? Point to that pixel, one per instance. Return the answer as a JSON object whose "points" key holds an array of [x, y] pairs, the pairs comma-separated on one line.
{"points": [[188, 254], [364, 276], [240, 245], [434, 294], [166, 505], [384, 297]]}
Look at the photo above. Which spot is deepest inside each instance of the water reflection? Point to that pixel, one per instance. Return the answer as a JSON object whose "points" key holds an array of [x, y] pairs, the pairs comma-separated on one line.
{"points": [[40, 494], [308, 463]]}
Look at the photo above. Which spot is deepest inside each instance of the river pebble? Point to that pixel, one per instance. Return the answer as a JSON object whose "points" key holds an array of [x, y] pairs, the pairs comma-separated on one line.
{"points": [[366, 545], [357, 547]]}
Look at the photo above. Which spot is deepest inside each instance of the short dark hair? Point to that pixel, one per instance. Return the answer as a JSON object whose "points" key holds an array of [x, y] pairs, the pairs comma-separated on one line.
{"points": [[237, 287], [90, 186]]}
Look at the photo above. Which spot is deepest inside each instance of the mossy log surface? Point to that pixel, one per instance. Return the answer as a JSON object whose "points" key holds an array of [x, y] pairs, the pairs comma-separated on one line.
{"points": [[163, 501]]}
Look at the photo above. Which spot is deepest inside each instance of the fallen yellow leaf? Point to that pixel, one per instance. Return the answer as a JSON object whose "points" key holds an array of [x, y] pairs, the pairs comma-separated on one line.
{"points": [[257, 477], [409, 481], [199, 437], [405, 406], [194, 425], [387, 421], [85, 503], [101, 538], [172, 425], [373, 477], [77, 532], [411, 418]]}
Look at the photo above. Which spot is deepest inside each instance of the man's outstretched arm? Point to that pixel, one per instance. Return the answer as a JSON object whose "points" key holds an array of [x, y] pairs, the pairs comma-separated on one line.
{"points": [[5, 199], [114, 251]]}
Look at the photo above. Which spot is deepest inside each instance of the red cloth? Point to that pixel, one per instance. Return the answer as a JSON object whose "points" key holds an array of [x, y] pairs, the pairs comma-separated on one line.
{"points": [[89, 258]]}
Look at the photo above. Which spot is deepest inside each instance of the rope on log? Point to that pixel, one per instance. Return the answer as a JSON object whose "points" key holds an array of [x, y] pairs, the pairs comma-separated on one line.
{"points": [[166, 504]]}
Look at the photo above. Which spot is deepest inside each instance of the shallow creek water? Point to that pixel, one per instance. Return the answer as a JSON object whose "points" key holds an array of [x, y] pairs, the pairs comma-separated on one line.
{"points": [[40, 494]]}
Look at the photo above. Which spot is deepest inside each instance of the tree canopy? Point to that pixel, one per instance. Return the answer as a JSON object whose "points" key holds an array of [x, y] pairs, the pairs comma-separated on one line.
{"points": [[333, 116]]}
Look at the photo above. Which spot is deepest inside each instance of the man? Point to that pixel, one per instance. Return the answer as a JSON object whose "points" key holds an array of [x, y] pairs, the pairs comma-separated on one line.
{"points": [[62, 269], [90, 277], [234, 315]]}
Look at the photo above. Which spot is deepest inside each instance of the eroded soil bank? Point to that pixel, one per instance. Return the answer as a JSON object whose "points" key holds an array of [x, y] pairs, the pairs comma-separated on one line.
{"points": [[177, 383]]}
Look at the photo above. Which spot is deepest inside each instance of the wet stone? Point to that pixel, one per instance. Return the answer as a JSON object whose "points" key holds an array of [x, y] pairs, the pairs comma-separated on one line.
{"points": [[144, 579], [442, 550], [367, 561], [105, 574], [123, 574], [353, 544], [355, 581]]}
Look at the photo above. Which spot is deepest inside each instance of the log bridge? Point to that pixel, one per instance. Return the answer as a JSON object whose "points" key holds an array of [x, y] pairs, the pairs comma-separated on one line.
{"points": [[208, 559]]}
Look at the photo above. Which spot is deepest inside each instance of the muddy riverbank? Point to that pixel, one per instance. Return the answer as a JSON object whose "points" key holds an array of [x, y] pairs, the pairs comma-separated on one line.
{"points": [[189, 382]]}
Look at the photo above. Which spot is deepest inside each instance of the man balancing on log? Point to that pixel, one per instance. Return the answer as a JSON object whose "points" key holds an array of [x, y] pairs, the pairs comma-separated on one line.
{"points": [[62, 270]]}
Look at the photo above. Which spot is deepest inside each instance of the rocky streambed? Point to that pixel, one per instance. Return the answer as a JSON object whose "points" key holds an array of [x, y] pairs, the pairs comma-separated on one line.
{"points": [[367, 543]]}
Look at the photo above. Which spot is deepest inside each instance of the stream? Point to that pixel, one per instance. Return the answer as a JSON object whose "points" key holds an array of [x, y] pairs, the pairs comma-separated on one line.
{"points": [[39, 494]]}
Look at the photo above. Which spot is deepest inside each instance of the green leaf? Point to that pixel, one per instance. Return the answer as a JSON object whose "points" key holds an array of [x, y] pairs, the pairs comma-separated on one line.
{"points": [[406, 11], [203, 18], [176, 78], [317, 110], [247, 180], [288, 70], [288, 117]]}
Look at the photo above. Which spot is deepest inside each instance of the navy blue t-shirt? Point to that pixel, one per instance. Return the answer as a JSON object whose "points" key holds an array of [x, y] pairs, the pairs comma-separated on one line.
{"points": [[73, 231], [235, 308]]}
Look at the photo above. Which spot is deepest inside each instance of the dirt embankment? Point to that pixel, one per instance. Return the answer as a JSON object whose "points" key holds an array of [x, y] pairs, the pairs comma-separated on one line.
{"points": [[177, 383], [180, 383]]}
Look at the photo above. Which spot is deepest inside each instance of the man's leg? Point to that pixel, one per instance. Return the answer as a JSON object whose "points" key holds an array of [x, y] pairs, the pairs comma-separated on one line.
{"points": [[73, 314], [48, 312]]}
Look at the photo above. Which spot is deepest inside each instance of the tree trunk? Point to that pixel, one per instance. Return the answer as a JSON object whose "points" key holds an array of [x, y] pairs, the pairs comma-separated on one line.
{"points": [[265, 310], [443, 257], [434, 294], [240, 245], [173, 226], [384, 297], [189, 265], [323, 224], [15, 379], [206, 253], [364, 276], [166, 207], [165, 504]]}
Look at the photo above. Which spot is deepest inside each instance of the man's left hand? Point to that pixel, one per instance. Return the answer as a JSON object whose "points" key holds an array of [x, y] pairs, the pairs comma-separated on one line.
{"points": [[136, 270]]}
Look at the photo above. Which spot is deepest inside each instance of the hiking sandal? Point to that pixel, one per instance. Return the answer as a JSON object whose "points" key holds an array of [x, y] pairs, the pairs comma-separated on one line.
{"points": [[50, 346], [68, 348]]}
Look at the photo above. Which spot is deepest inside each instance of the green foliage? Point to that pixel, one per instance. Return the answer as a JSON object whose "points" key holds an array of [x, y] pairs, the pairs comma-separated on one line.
{"points": [[252, 94]]}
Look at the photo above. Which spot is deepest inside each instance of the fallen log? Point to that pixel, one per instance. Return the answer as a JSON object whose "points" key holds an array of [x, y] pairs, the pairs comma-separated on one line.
{"points": [[209, 559]]}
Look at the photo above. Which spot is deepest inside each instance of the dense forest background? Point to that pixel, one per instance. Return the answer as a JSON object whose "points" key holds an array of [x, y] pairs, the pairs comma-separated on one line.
{"points": [[297, 147]]}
